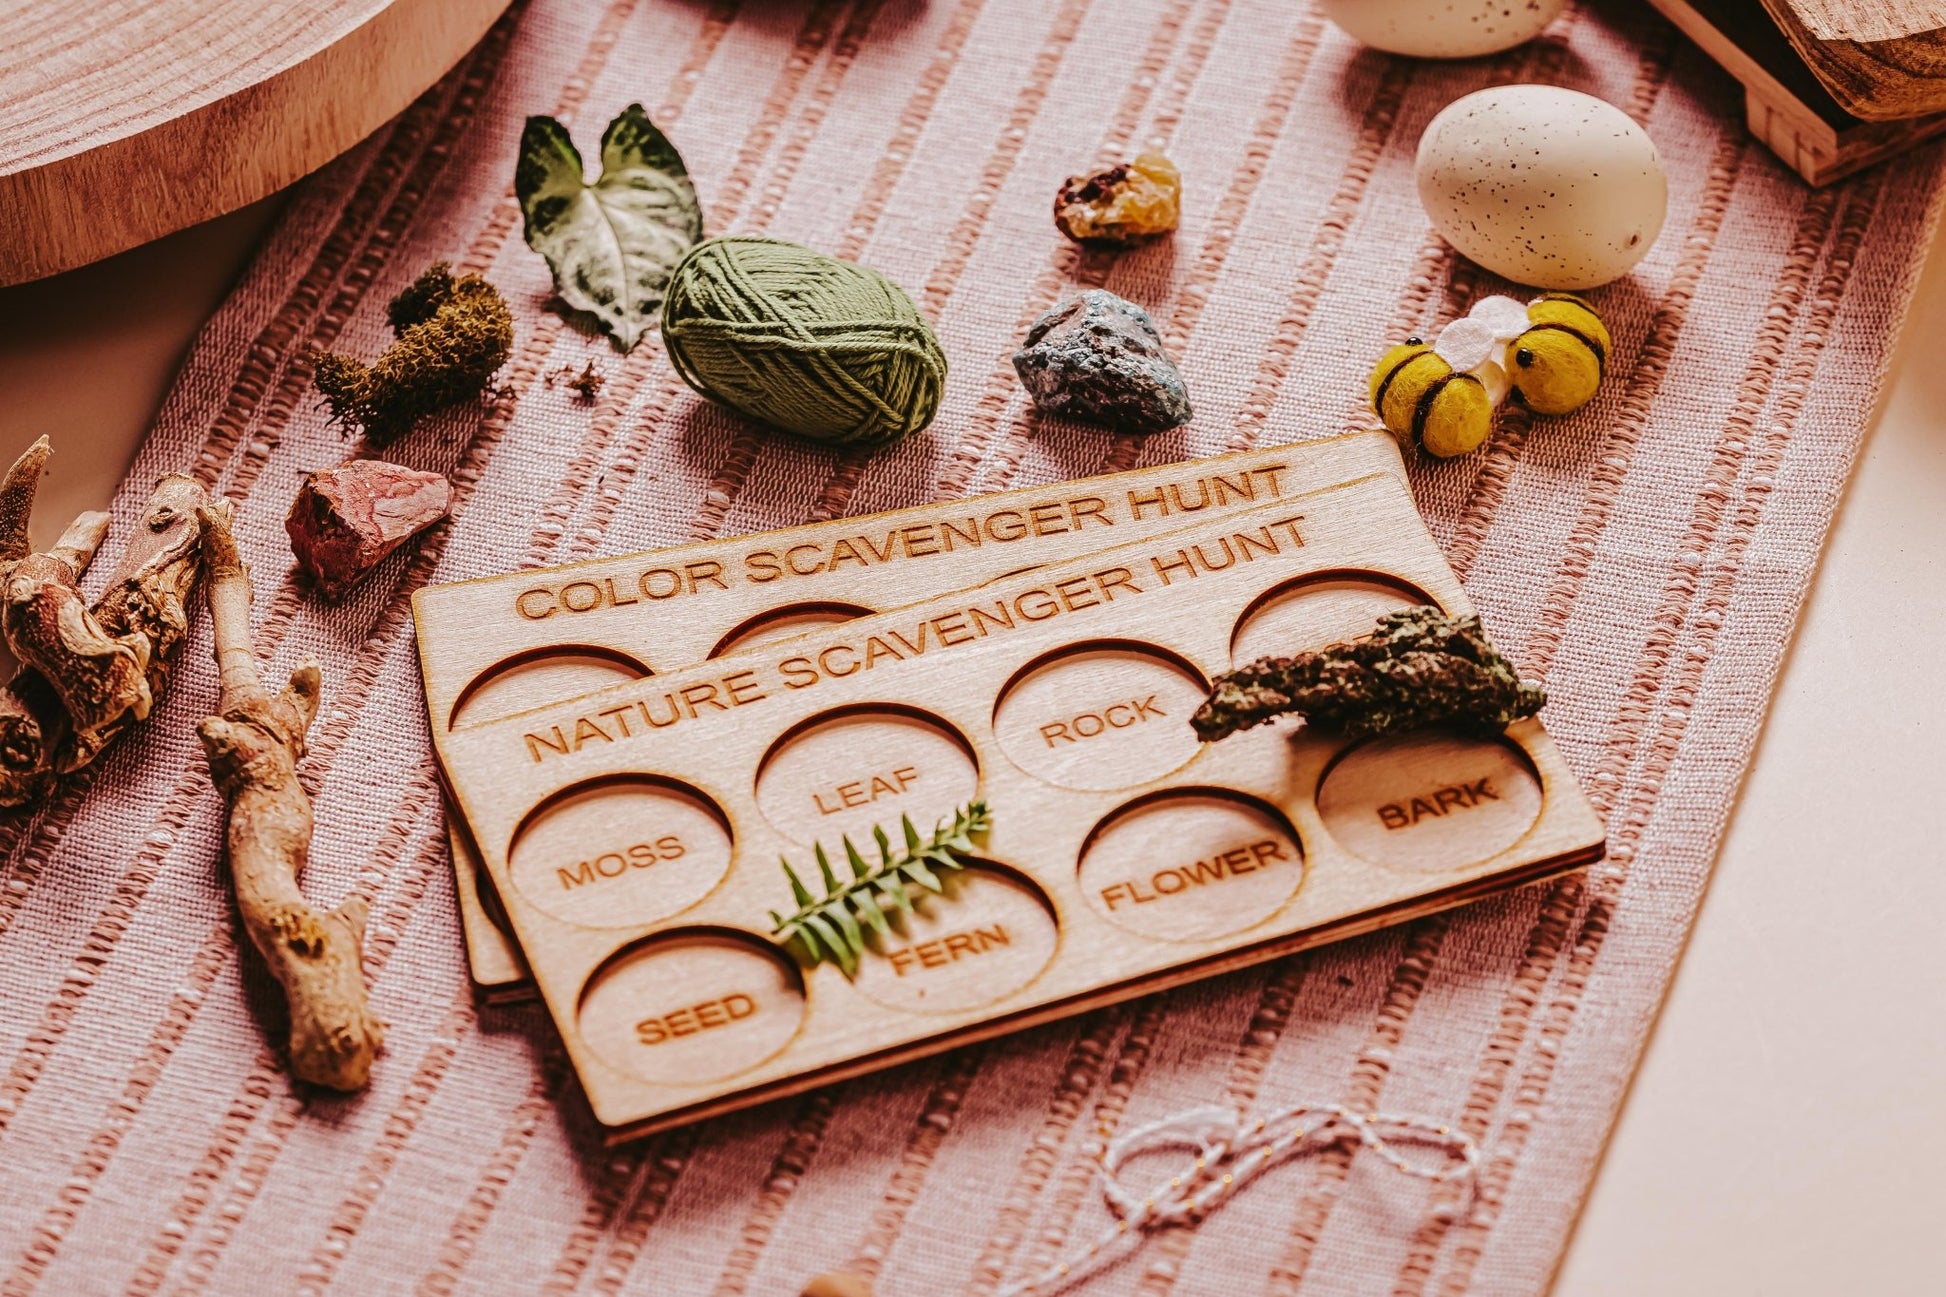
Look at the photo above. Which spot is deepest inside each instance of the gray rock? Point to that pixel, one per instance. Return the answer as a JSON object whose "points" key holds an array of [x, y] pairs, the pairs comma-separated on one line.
{"points": [[1097, 357]]}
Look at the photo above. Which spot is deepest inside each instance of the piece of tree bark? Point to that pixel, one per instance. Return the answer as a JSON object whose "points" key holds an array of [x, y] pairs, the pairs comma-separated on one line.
{"points": [[253, 748]]}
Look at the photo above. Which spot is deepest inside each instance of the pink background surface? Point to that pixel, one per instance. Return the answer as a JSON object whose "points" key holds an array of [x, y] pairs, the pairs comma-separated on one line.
{"points": [[1647, 557]]}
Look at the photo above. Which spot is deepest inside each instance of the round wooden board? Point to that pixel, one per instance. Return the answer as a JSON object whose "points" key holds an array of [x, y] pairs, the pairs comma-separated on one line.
{"points": [[124, 120]]}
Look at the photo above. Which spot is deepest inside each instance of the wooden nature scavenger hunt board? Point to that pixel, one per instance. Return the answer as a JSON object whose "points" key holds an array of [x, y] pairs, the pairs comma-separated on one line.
{"points": [[633, 833], [500, 644], [1646, 558]]}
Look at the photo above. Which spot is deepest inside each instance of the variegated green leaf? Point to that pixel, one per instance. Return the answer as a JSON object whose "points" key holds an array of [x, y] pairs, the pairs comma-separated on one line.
{"points": [[613, 244]]}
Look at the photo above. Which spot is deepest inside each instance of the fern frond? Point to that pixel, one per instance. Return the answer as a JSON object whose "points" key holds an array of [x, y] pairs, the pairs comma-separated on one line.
{"points": [[829, 927]]}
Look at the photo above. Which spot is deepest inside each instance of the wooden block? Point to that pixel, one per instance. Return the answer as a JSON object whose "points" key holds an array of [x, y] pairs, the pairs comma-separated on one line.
{"points": [[498, 645], [1786, 106], [126, 122], [1868, 20], [633, 834], [1882, 62]]}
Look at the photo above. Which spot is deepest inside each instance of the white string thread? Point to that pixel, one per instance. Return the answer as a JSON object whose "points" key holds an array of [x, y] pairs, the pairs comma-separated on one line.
{"points": [[1231, 1150]]}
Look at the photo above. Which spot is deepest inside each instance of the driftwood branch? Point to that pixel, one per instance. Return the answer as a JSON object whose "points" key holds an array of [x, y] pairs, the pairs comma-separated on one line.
{"points": [[87, 673], [147, 603], [253, 748], [40, 604]]}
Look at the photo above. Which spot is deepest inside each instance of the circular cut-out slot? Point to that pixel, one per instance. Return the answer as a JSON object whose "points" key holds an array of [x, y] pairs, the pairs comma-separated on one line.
{"points": [[1430, 801], [691, 1007], [535, 679], [1314, 611], [620, 852], [1191, 864], [989, 935], [1101, 716], [785, 623], [841, 773]]}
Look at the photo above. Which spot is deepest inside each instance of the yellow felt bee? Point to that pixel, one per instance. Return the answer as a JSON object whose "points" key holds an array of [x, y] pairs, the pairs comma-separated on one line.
{"points": [[1558, 362], [1550, 354], [1421, 397]]}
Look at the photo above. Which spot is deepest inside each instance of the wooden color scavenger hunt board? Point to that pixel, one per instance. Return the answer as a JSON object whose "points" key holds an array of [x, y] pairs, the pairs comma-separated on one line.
{"points": [[633, 833], [501, 644]]}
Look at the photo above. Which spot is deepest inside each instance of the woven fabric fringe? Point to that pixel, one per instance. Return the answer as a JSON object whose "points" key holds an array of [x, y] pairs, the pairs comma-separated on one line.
{"points": [[1647, 557]]}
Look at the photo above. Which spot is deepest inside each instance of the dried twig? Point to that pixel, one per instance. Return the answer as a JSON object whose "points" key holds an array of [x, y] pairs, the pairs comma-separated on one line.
{"points": [[253, 748]]}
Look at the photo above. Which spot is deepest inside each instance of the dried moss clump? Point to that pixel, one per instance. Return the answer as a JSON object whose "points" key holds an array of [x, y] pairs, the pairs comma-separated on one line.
{"points": [[453, 335], [1420, 668]]}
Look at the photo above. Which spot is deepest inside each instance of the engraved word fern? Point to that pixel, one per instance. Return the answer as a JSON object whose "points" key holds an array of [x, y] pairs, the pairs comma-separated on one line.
{"points": [[832, 927]]}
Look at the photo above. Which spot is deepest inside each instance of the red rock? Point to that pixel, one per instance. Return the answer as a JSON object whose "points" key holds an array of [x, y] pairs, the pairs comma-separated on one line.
{"points": [[345, 520]]}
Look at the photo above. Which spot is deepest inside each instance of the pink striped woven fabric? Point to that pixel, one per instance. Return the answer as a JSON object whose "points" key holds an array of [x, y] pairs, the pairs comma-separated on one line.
{"points": [[1647, 557]]}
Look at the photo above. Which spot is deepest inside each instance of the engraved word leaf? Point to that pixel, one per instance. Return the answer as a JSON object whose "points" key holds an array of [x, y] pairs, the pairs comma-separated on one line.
{"points": [[612, 245], [833, 927]]}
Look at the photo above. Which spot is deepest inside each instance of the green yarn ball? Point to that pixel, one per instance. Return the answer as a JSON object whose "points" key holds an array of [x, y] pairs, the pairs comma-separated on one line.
{"points": [[811, 344]]}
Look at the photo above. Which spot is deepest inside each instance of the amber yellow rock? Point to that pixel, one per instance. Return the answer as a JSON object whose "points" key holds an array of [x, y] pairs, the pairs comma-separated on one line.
{"points": [[1125, 204]]}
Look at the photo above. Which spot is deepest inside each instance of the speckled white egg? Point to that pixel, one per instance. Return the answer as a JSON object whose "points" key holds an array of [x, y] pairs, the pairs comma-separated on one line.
{"points": [[1443, 29], [1543, 186]]}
